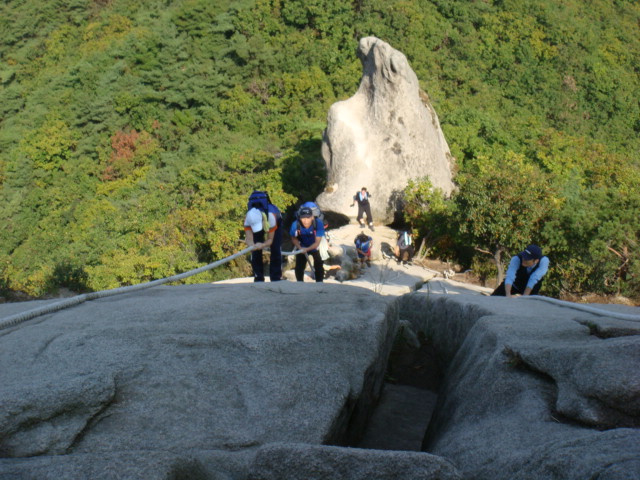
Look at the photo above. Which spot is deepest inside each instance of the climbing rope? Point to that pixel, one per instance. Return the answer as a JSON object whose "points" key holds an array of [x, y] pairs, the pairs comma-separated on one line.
{"points": [[18, 318], [585, 308], [564, 303]]}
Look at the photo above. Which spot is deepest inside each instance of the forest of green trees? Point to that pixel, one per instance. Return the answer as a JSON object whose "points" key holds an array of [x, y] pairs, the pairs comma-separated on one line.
{"points": [[132, 131]]}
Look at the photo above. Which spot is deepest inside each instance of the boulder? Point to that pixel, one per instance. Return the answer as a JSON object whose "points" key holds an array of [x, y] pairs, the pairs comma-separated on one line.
{"points": [[186, 369], [383, 136], [529, 391], [293, 462], [137, 465], [262, 381]]}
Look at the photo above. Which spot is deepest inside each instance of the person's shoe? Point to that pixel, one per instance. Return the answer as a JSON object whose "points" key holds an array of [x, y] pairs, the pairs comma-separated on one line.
{"points": [[371, 227], [362, 225]]}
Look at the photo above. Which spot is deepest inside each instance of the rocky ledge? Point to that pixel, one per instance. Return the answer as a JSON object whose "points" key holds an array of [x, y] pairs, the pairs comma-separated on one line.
{"points": [[277, 380]]}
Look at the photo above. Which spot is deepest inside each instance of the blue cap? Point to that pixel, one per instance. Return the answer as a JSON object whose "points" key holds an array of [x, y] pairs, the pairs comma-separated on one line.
{"points": [[532, 252]]}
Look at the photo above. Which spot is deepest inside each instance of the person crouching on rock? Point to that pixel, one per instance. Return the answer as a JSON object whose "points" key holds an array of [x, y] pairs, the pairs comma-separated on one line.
{"points": [[362, 197], [306, 234], [404, 248], [363, 248], [525, 272]]}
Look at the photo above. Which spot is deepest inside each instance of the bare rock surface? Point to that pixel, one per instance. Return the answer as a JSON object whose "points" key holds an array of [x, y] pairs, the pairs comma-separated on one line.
{"points": [[529, 391], [384, 276], [296, 462], [190, 368], [400, 420], [256, 381], [384, 135]]}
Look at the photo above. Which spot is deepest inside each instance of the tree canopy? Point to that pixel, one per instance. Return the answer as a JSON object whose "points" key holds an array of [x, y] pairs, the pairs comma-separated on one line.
{"points": [[131, 132]]}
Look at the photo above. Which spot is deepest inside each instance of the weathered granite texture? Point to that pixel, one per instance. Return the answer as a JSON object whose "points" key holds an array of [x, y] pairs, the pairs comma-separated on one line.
{"points": [[132, 465], [189, 368], [297, 462], [529, 391], [384, 135], [249, 381]]}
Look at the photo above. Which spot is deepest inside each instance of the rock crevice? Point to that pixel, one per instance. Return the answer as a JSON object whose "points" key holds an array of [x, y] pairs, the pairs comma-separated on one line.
{"points": [[529, 393]]}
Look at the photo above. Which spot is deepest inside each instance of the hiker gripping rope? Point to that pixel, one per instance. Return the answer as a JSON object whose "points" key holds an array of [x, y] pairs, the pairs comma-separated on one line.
{"points": [[306, 233], [525, 272], [362, 198], [263, 219]]}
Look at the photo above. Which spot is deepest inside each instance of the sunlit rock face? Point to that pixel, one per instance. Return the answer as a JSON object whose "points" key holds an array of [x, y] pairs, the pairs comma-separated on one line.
{"points": [[384, 135]]}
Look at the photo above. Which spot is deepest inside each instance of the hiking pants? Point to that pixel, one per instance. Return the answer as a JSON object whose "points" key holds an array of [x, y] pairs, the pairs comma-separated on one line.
{"points": [[275, 265], [301, 264], [362, 209], [406, 253]]}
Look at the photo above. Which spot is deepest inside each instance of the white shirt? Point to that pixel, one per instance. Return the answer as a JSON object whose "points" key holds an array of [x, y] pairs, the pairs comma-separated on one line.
{"points": [[273, 223]]}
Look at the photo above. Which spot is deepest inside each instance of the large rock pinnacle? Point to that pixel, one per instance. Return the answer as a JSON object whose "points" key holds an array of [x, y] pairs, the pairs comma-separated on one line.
{"points": [[384, 135]]}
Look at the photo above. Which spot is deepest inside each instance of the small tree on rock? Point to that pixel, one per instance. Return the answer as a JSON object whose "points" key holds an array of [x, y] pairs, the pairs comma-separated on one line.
{"points": [[501, 205]]}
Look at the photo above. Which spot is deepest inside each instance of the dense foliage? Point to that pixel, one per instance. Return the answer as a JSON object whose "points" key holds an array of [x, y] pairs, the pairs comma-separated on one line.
{"points": [[131, 131]]}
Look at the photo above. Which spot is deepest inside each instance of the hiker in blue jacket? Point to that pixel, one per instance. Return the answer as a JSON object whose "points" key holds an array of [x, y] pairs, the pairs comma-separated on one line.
{"points": [[525, 272], [306, 234], [363, 244]]}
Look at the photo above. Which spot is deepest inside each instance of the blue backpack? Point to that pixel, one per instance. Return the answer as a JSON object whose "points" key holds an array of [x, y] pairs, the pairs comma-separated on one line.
{"points": [[317, 215], [261, 201], [362, 242]]}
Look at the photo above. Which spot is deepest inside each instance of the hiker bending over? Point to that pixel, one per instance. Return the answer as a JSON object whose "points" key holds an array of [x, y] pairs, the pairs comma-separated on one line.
{"points": [[264, 220], [525, 272], [306, 234], [404, 248], [362, 197], [363, 248]]}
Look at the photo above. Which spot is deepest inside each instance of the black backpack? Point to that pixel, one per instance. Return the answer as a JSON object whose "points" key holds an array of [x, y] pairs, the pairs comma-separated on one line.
{"points": [[262, 202]]}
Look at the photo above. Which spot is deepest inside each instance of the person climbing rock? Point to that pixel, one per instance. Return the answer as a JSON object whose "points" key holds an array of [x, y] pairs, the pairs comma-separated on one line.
{"points": [[362, 198], [306, 234], [525, 273], [263, 219]]}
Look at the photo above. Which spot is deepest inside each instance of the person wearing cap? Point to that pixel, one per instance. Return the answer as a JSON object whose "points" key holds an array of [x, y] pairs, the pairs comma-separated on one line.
{"points": [[306, 234], [362, 198], [256, 223], [525, 272]]}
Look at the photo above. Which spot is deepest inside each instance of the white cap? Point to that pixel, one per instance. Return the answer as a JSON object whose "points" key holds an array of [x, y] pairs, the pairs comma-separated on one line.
{"points": [[254, 219]]}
